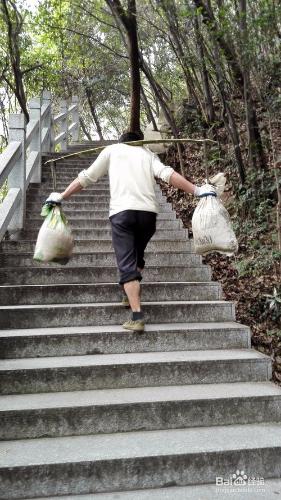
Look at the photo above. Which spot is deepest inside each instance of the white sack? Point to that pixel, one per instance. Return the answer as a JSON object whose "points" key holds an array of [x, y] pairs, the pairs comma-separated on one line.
{"points": [[211, 224], [55, 241]]}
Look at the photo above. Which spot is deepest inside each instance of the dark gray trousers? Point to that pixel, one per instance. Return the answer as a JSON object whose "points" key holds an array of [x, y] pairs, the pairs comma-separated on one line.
{"points": [[131, 232]]}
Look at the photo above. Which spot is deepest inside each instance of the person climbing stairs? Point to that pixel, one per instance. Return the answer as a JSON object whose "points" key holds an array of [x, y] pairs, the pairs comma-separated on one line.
{"points": [[90, 410]]}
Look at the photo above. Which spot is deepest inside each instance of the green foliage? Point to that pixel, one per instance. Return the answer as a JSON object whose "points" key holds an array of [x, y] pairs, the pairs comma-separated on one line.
{"points": [[259, 262], [275, 332], [73, 46]]}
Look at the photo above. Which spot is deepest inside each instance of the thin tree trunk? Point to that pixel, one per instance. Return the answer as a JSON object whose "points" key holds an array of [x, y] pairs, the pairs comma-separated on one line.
{"points": [[228, 117], [90, 99], [230, 55], [256, 154], [159, 96], [237, 72], [169, 9], [165, 108], [83, 126], [129, 22], [14, 29], [205, 76], [148, 109]]}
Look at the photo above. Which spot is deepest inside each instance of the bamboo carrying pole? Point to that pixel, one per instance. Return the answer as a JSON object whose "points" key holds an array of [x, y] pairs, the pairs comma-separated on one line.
{"points": [[133, 143]]}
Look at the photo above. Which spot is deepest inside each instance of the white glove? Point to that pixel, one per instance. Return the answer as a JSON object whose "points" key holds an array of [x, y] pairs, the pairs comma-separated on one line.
{"points": [[54, 198], [205, 190]]}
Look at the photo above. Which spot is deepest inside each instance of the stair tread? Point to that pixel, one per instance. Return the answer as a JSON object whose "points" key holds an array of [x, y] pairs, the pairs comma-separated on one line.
{"points": [[146, 283], [269, 491], [132, 358], [109, 252], [138, 395], [108, 329], [113, 266], [130, 445], [114, 304]]}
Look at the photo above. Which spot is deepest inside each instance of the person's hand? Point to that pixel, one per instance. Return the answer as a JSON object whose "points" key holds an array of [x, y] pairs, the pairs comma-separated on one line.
{"points": [[54, 199], [205, 190]]}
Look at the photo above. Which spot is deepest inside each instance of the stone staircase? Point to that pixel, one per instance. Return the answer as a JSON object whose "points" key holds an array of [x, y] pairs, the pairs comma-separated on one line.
{"points": [[89, 410]]}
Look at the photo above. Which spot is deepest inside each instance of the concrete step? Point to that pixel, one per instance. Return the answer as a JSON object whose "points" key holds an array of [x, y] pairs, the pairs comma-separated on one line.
{"points": [[95, 274], [67, 158], [113, 371], [137, 409], [93, 214], [85, 195], [92, 192], [101, 245], [127, 461], [70, 165], [90, 144], [50, 154], [91, 234], [96, 223], [269, 490], [90, 206], [44, 189], [100, 313], [88, 234], [67, 174], [113, 339], [109, 292], [102, 259], [72, 161], [70, 171], [63, 180]]}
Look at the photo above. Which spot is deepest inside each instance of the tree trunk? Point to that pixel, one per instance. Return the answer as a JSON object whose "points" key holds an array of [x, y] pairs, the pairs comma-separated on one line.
{"points": [[134, 67], [83, 126], [231, 57], [170, 11], [159, 96], [14, 29], [148, 109], [256, 155], [237, 72], [228, 117], [205, 76], [90, 99], [129, 22], [165, 108]]}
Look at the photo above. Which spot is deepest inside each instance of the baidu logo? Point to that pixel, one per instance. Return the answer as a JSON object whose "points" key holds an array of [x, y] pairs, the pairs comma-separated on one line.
{"points": [[239, 481]]}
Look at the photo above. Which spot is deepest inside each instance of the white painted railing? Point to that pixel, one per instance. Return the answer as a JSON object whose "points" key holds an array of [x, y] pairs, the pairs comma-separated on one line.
{"points": [[20, 163]]}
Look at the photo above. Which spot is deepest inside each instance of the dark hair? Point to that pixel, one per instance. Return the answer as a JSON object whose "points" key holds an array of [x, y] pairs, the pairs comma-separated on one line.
{"points": [[131, 136]]}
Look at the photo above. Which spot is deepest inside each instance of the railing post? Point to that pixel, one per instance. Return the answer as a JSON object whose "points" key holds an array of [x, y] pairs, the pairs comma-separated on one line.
{"points": [[47, 122], [64, 125], [75, 119], [17, 177], [35, 144]]}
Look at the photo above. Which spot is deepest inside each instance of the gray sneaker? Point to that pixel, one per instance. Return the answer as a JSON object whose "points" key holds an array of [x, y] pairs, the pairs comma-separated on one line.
{"points": [[135, 326], [125, 301]]}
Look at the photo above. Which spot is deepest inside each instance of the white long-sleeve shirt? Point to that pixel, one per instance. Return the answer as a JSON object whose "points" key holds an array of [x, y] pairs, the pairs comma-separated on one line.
{"points": [[132, 171]]}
